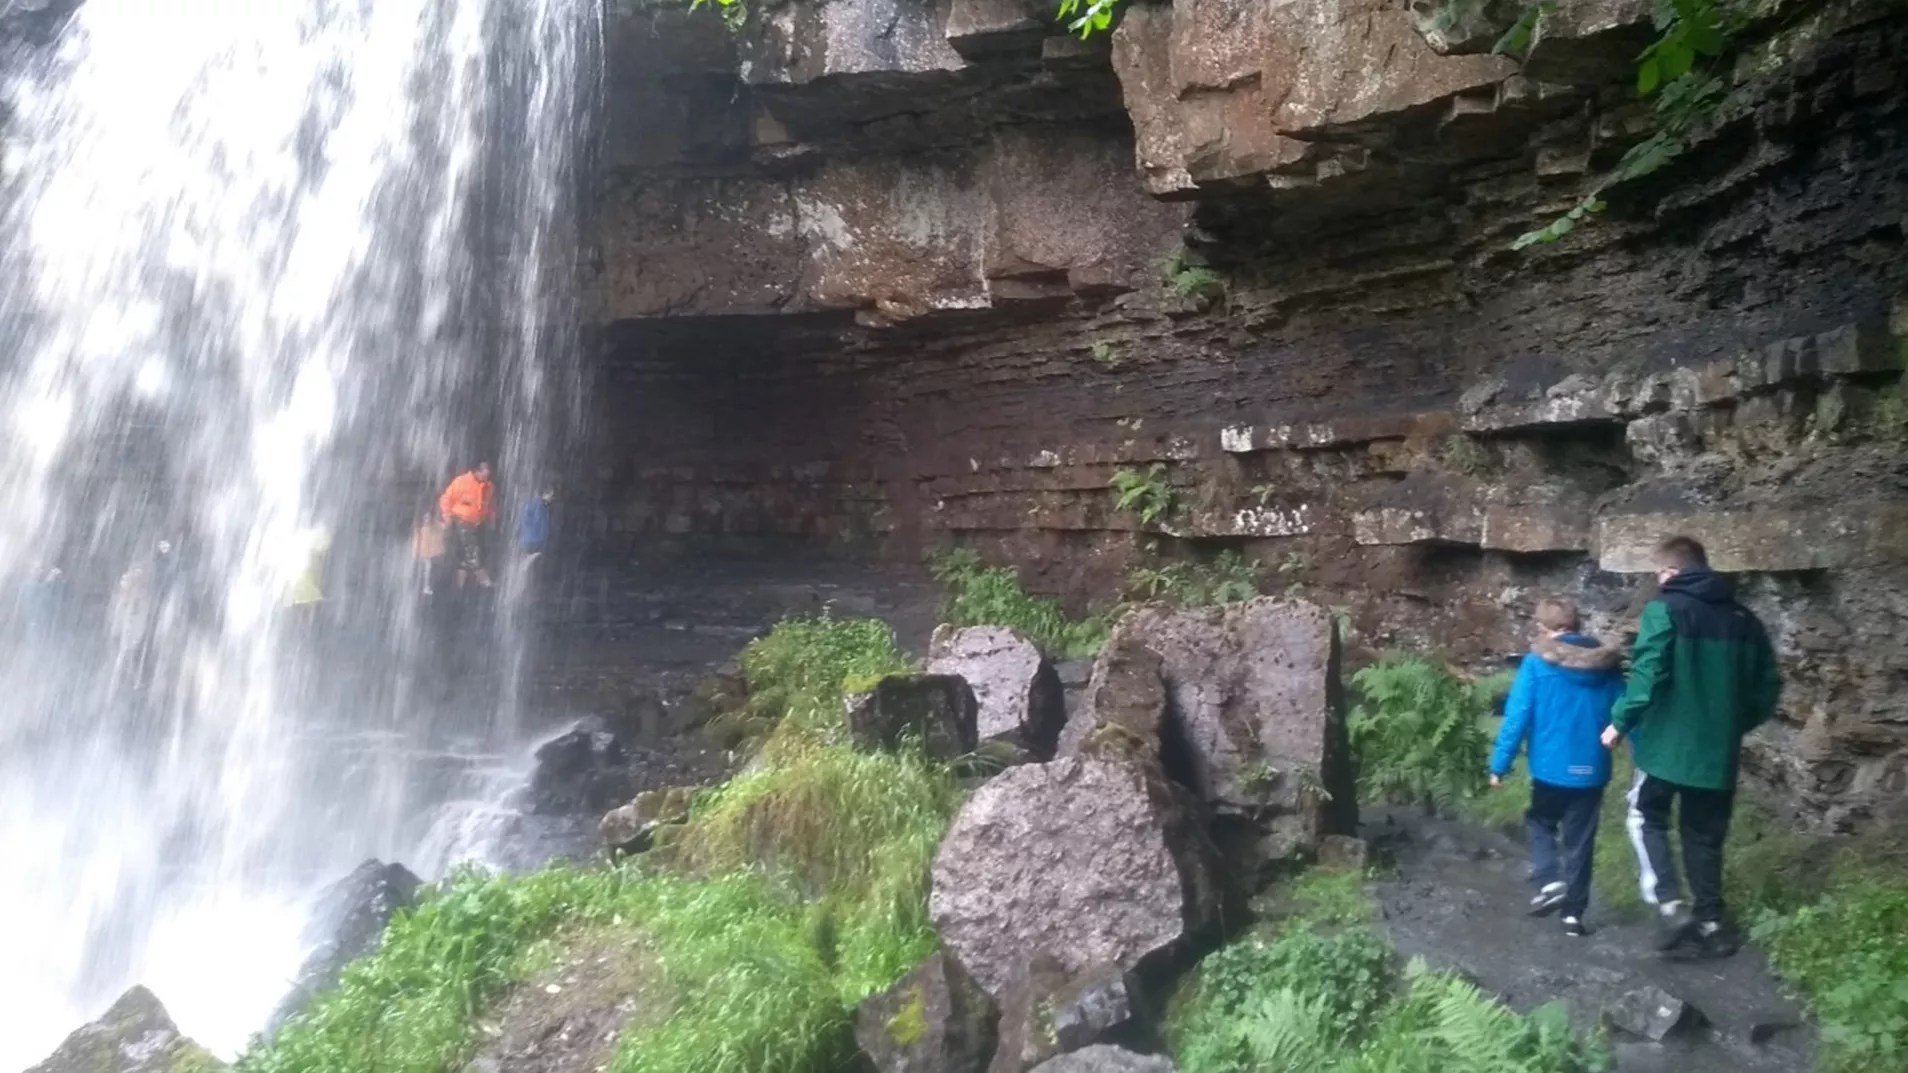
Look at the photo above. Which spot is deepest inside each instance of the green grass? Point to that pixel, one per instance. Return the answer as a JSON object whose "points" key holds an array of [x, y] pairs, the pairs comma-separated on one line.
{"points": [[856, 831], [980, 595], [409, 1007]]}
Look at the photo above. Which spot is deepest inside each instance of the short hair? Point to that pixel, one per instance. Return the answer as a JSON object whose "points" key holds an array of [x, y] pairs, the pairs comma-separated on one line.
{"points": [[1682, 553], [1557, 613]]}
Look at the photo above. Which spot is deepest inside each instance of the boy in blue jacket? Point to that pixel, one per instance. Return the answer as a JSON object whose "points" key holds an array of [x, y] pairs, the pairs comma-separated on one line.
{"points": [[1561, 703]]}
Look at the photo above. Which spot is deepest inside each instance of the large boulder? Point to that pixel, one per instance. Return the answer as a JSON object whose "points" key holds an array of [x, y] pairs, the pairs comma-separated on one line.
{"points": [[1105, 1058], [1093, 861], [1047, 1011], [585, 769], [349, 923], [135, 1036], [935, 711], [1018, 691], [1124, 701], [936, 1020], [1254, 700]]}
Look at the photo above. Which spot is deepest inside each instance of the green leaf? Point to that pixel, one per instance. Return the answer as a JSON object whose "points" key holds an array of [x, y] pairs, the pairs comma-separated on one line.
{"points": [[1675, 57], [1649, 75]]}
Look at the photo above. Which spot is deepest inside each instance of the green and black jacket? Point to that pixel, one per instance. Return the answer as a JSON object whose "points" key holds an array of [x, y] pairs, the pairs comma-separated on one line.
{"points": [[1702, 675]]}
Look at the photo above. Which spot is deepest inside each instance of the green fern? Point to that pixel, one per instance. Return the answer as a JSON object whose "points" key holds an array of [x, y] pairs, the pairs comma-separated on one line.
{"points": [[1418, 732], [1145, 492]]}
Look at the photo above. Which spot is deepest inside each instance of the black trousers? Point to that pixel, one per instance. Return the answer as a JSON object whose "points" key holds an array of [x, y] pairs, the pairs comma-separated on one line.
{"points": [[1703, 824], [1562, 824]]}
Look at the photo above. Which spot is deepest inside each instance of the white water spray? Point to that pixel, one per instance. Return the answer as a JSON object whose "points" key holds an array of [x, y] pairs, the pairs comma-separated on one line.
{"points": [[272, 268]]}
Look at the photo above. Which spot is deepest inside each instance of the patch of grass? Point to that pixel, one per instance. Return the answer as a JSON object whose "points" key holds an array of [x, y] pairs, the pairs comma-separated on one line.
{"points": [[798, 672], [1417, 732], [1847, 955], [856, 831], [1319, 898], [980, 595], [410, 1007], [752, 993]]}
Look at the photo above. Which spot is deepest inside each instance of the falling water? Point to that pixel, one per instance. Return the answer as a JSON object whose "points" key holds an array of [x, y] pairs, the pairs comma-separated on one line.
{"points": [[273, 271]]}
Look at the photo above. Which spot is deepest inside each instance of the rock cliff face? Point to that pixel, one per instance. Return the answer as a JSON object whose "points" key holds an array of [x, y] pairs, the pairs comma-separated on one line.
{"points": [[896, 273]]}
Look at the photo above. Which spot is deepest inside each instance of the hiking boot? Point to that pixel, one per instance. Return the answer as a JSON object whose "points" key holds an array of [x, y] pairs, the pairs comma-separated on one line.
{"points": [[1675, 926], [1546, 901], [1574, 926]]}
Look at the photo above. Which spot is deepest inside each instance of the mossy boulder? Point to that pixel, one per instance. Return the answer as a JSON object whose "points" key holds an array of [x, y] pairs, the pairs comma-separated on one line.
{"points": [[135, 1036], [936, 1020], [934, 711]]}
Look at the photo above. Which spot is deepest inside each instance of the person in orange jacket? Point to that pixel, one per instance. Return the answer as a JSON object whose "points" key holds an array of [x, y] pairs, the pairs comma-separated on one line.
{"points": [[465, 506]]}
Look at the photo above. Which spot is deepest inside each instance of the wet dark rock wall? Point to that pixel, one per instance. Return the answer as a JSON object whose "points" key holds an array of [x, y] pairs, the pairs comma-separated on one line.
{"points": [[878, 277]]}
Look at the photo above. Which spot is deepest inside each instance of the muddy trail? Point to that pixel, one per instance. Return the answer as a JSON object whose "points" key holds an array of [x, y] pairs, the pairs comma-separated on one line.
{"points": [[1454, 894]]}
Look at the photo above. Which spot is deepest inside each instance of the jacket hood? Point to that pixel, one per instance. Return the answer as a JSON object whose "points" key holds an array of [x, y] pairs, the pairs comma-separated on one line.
{"points": [[1577, 653], [1701, 583]]}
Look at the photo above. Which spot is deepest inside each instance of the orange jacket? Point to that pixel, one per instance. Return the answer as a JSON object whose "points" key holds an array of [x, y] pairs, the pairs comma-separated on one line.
{"points": [[467, 500]]}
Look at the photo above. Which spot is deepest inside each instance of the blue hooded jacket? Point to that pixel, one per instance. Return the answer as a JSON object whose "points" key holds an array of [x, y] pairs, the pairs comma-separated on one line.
{"points": [[1561, 702]]}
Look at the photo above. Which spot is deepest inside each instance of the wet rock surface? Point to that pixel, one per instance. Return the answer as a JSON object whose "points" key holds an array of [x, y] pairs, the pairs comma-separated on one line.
{"points": [[1091, 861], [583, 769], [1105, 1058], [934, 711], [1457, 900], [1254, 696], [348, 924], [135, 1036], [936, 1020], [1047, 1010], [1019, 693], [1124, 697]]}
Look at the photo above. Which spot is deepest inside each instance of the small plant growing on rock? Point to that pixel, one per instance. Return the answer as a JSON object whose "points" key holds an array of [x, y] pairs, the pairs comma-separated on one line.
{"points": [[1107, 355], [1418, 733], [1189, 281], [1145, 492], [1462, 454]]}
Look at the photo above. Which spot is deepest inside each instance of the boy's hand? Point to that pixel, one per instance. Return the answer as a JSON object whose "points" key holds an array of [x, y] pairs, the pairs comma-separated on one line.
{"points": [[1611, 735], [1496, 782]]}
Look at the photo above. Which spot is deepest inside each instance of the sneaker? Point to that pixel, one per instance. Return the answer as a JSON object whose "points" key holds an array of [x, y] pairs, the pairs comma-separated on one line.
{"points": [[1546, 901], [1574, 926], [1674, 926], [1715, 940]]}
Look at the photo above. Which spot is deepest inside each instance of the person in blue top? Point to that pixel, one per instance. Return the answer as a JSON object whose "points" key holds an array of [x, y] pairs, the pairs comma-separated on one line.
{"points": [[533, 526], [1560, 703]]}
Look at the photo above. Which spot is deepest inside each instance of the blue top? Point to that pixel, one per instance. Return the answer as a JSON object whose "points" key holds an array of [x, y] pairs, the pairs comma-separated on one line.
{"points": [[533, 529], [1562, 712]]}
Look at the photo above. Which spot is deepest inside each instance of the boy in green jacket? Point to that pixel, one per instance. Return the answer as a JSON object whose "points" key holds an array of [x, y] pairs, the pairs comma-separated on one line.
{"points": [[1702, 675]]}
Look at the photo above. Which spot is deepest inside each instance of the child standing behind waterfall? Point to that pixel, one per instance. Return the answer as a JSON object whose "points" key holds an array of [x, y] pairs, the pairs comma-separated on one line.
{"points": [[1560, 703], [427, 546]]}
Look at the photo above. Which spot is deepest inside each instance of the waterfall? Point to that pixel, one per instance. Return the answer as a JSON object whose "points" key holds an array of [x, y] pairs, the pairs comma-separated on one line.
{"points": [[273, 272]]}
